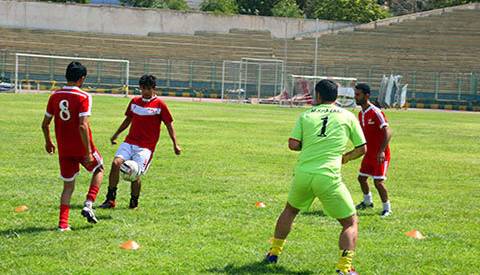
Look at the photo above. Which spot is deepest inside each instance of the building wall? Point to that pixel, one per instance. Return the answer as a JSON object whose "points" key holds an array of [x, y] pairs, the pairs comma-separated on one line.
{"points": [[139, 21]]}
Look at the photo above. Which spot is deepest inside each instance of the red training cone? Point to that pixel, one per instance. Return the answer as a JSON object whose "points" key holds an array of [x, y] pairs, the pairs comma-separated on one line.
{"points": [[415, 234], [130, 245], [21, 208], [259, 204]]}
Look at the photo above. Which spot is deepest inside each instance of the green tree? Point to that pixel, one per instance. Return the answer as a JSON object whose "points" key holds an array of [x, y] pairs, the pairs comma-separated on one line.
{"points": [[436, 4], [361, 11], [180, 5], [159, 4], [65, 1], [219, 6], [287, 8], [308, 7], [256, 7], [399, 7]]}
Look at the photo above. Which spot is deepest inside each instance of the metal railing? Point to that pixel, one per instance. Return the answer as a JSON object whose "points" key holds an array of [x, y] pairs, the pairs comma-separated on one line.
{"points": [[206, 76]]}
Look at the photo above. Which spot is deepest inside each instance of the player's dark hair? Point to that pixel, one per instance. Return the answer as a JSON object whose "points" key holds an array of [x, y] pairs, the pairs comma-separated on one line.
{"points": [[363, 87], [148, 81], [75, 71], [327, 89]]}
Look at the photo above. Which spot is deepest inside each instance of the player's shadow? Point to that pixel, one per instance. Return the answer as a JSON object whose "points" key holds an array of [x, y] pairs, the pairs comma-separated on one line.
{"points": [[99, 216], [33, 230], [257, 268], [367, 213], [103, 217], [318, 213], [76, 206]]}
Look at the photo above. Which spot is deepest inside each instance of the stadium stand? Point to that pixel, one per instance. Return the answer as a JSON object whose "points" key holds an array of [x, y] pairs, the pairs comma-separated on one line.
{"points": [[438, 55]]}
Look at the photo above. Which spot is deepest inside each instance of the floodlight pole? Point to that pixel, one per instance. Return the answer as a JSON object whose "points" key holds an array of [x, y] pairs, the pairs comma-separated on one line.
{"points": [[316, 48], [259, 80], [285, 50], [246, 76], [223, 79], [128, 76], [16, 73]]}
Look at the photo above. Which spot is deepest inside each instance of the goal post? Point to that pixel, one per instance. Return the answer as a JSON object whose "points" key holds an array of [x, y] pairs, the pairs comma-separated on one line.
{"points": [[231, 81], [262, 78], [33, 71], [252, 78], [301, 89]]}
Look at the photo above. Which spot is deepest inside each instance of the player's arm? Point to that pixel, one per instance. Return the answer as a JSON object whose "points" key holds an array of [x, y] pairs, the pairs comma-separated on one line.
{"points": [[387, 135], [294, 144], [84, 134], [173, 137], [49, 146], [295, 140], [354, 154], [126, 122], [358, 139]]}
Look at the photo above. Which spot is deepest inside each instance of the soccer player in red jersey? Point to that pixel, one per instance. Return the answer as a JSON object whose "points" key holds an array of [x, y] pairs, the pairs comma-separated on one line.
{"points": [[376, 160], [144, 115], [70, 108]]}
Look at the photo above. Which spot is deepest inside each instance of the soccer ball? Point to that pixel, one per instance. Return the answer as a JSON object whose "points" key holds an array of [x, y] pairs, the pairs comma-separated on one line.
{"points": [[130, 170]]}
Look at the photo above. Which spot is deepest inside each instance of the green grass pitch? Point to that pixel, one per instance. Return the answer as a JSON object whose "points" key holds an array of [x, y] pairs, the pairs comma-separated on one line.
{"points": [[197, 211]]}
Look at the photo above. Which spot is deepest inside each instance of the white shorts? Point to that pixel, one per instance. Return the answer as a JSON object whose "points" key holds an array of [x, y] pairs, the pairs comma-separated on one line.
{"points": [[142, 156]]}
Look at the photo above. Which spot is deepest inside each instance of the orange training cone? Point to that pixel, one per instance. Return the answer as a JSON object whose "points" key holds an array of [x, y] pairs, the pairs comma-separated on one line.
{"points": [[21, 208], [415, 234], [130, 245], [259, 204]]}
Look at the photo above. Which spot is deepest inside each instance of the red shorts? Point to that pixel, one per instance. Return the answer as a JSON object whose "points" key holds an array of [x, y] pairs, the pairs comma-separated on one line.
{"points": [[70, 166], [371, 168]]}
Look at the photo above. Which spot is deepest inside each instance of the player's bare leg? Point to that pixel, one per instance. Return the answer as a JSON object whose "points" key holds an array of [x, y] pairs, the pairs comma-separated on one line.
{"points": [[363, 180], [282, 229], [382, 191], [367, 195], [68, 187], [113, 179], [95, 183], [347, 243], [135, 188], [348, 236], [114, 176], [285, 221]]}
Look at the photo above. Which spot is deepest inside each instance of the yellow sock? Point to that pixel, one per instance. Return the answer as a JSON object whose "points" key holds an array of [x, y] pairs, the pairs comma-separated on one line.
{"points": [[345, 261], [277, 246]]}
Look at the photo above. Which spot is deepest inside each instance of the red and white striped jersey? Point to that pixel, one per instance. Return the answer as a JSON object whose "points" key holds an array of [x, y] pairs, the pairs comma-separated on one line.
{"points": [[372, 121], [147, 116]]}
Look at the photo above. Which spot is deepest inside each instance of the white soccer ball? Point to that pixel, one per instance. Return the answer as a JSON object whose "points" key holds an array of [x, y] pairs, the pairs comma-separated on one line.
{"points": [[130, 170]]}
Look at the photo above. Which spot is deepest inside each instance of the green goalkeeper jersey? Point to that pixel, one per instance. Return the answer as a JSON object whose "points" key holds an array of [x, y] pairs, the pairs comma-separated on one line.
{"points": [[324, 131]]}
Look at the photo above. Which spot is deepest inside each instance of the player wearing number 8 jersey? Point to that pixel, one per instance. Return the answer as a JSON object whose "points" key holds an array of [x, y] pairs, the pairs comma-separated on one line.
{"points": [[322, 134], [70, 108]]}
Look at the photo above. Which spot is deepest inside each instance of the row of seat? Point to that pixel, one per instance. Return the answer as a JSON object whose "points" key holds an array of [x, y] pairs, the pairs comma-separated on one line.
{"points": [[443, 43]]}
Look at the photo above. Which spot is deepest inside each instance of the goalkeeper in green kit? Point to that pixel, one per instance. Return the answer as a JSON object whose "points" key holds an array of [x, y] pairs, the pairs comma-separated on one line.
{"points": [[321, 134]]}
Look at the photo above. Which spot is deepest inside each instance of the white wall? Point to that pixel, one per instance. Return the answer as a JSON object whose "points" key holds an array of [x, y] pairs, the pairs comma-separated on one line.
{"points": [[137, 21]]}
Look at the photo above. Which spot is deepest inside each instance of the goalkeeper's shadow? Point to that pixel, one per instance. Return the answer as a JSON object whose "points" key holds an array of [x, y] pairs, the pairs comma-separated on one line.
{"points": [[257, 268], [320, 213]]}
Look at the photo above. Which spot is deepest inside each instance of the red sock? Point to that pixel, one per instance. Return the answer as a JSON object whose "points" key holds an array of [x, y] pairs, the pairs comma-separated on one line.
{"points": [[63, 219], [92, 193]]}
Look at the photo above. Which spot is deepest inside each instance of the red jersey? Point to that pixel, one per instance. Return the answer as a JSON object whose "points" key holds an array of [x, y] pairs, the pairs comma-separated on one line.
{"points": [[147, 116], [67, 105], [372, 121]]}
